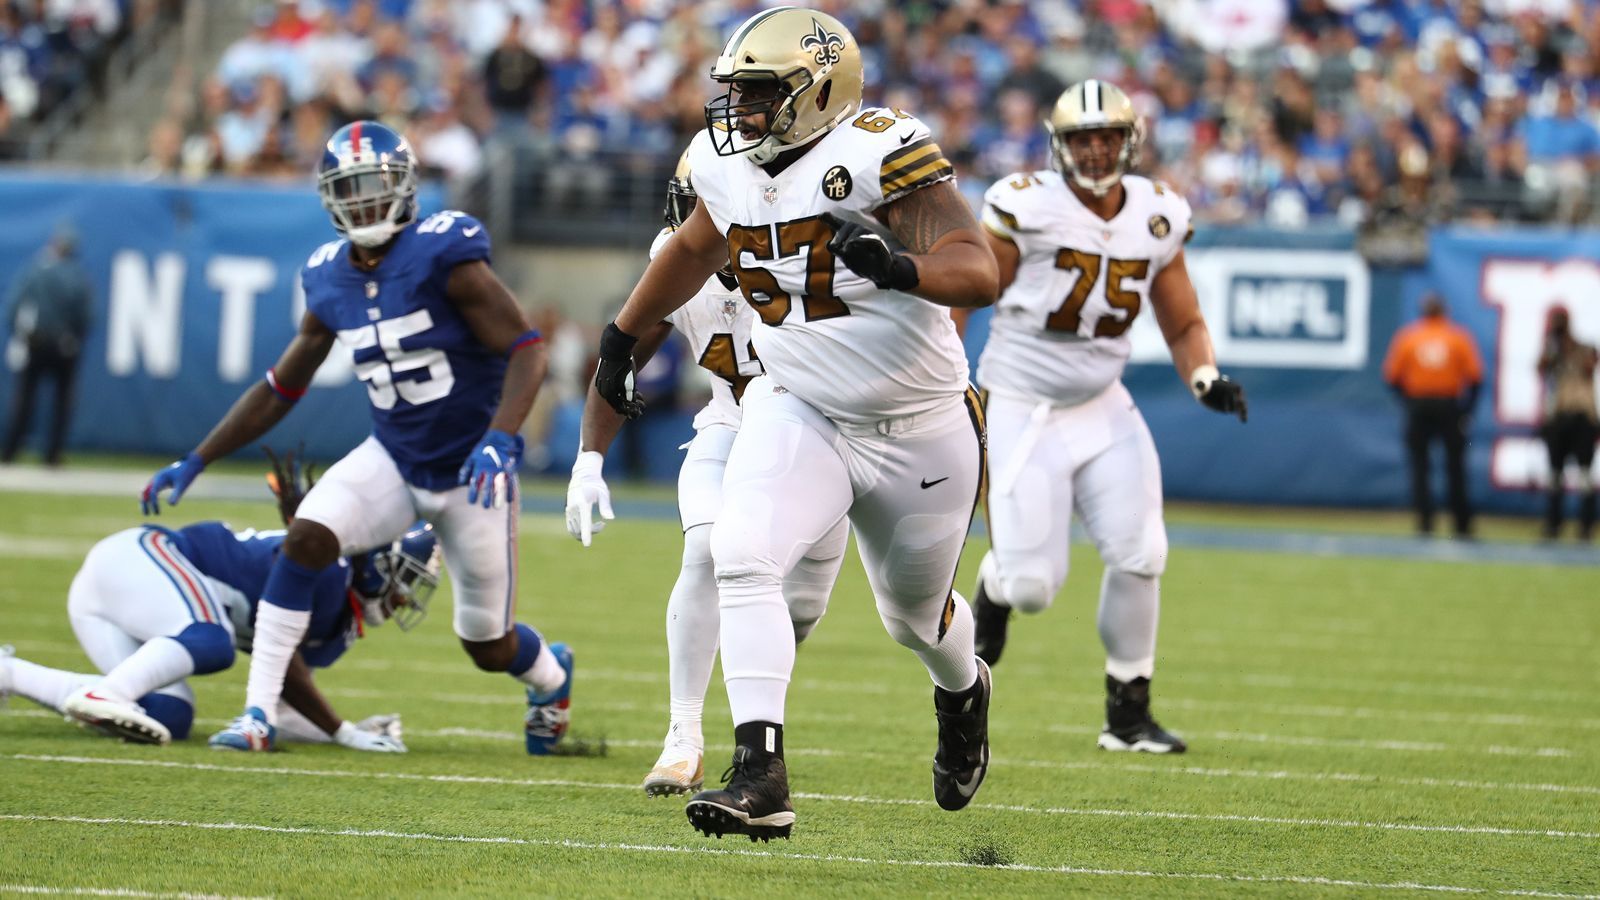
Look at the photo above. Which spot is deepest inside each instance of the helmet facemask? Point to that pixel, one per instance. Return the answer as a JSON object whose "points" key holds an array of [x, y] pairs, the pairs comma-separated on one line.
{"points": [[399, 587], [370, 202], [776, 97], [1126, 158]]}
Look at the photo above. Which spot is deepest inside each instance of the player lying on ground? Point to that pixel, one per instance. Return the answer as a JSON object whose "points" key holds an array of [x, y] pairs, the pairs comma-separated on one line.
{"points": [[1082, 249], [153, 606], [865, 409], [717, 325], [451, 368]]}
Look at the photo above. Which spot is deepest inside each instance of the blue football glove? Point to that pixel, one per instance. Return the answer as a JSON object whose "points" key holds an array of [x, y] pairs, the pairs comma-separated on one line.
{"points": [[177, 476], [491, 470]]}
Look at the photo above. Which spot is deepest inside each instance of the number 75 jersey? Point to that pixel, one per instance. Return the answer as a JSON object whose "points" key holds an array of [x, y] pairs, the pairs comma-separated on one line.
{"points": [[433, 386], [1060, 329]]}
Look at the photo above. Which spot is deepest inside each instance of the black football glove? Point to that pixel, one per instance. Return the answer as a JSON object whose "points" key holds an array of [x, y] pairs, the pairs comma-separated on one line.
{"points": [[1225, 396], [867, 254], [613, 378]]}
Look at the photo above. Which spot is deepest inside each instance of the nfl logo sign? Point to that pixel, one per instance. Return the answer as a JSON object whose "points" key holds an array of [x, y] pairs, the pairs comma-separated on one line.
{"points": [[770, 194]]}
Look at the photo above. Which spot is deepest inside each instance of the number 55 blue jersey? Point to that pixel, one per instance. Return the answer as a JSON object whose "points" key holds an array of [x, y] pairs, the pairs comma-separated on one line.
{"points": [[433, 386]]}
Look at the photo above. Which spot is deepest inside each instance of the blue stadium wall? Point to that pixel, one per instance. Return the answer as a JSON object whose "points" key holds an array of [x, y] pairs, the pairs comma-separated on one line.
{"points": [[196, 294]]}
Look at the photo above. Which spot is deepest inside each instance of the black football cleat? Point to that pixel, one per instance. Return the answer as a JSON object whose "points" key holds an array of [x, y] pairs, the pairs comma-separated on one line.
{"points": [[754, 801], [1129, 725], [962, 759], [990, 621]]}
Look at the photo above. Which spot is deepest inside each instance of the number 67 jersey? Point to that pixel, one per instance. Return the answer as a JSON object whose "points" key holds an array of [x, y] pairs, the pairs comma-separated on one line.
{"points": [[1060, 329], [433, 386], [830, 337]]}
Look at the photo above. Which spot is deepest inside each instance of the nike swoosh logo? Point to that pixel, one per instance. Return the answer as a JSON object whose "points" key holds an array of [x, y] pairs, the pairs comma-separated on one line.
{"points": [[907, 139], [928, 484], [970, 788], [469, 232]]}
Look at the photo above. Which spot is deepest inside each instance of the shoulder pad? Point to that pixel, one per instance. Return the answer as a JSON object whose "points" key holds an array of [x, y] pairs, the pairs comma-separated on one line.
{"points": [[324, 253]]}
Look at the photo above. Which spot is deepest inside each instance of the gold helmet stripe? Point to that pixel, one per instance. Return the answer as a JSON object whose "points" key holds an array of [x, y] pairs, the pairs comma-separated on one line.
{"points": [[1091, 97], [752, 22]]}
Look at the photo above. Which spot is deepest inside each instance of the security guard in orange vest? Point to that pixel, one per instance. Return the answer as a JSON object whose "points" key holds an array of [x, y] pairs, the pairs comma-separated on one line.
{"points": [[1433, 364]]}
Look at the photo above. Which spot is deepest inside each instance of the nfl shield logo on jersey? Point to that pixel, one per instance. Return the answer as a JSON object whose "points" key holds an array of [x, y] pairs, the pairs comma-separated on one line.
{"points": [[770, 194]]}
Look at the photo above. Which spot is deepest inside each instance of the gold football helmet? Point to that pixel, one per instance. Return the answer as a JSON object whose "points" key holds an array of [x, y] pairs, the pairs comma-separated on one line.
{"points": [[806, 67], [1089, 106]]}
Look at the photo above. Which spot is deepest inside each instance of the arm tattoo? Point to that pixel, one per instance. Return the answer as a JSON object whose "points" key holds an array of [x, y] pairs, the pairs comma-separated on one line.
{"points": [[922, 217]]}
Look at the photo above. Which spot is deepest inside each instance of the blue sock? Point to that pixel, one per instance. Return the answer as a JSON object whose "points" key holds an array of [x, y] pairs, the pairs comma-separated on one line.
{"points": [[289, 585], [528, 644], [173, 712], [209, 645]]}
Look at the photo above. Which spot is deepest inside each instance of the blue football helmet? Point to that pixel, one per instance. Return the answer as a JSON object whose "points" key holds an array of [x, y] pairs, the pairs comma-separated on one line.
{"points": [[396, 582], [368, 183]]}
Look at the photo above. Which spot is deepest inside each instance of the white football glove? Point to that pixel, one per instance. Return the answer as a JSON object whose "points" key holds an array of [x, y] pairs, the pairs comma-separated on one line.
{"points": [[375, 734], [586, 490]]}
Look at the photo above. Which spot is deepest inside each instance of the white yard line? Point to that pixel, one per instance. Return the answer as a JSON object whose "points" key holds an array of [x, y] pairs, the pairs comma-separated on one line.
{"points": [[829, 798], [1351, 743], [1172, 768], [1225, 877], [60, 891]]}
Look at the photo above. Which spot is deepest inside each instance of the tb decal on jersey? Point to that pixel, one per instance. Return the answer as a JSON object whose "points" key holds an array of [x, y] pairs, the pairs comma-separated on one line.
{"points": [[836, 183]]}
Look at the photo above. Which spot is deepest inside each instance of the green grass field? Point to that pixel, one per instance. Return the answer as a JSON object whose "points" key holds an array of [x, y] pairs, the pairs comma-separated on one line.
{"points": [[1358, 727]]}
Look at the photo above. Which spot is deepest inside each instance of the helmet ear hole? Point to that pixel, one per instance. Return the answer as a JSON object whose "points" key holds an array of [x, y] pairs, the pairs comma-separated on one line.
{"points": [[824, 93]]}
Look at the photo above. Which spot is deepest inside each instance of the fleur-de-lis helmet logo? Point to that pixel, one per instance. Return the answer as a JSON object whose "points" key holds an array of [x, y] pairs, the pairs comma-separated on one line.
{"points": [[824, 44]]}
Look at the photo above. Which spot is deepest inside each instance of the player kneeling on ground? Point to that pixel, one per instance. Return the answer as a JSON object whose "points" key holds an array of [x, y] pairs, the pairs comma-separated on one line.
{"points": [[153, 606], [1082, 250]]}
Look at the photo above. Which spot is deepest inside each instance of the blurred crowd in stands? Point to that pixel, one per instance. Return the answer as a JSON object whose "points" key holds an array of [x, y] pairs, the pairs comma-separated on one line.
{"points": [[1279, 111], [51, 50]]}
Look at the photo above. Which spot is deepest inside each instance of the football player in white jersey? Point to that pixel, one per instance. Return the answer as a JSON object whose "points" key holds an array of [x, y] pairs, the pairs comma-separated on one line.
{"points": [[1082, 250], [717, 325], [864, 410]]}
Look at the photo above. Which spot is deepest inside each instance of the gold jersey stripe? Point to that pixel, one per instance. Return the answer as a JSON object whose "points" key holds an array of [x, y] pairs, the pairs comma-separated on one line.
{"points": [[902, 155], [900, 163], [935, 170], [1006, 219]]}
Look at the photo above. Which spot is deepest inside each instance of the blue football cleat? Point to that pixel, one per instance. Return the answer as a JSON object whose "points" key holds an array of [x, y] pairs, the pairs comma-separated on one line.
{"points": [[249, 732], [549, 714]]}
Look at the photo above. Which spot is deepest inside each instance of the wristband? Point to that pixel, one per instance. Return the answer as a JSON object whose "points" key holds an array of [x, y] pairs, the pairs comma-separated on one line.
{"points": [[285, 393], [1201, 379], [902, 272], [526, 339], [616, 343]]}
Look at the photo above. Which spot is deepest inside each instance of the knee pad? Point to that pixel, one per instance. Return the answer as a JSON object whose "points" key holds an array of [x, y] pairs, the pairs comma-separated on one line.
{"points": [[905, 633], [174, 712], [209, 645], [479, 625], [697, 546], [1145, 555], [744, 565]]}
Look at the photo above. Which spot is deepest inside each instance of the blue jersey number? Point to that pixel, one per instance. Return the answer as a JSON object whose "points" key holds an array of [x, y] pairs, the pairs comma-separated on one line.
{"points": [[379, 374]]}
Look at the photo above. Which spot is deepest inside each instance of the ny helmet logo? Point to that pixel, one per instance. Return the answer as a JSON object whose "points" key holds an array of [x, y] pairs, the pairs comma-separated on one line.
{"points": [[351, 151], [824, 44]]}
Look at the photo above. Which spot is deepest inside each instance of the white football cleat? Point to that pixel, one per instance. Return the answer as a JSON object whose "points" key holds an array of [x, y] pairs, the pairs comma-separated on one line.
{"points": [[680, 769], [93, 708]]}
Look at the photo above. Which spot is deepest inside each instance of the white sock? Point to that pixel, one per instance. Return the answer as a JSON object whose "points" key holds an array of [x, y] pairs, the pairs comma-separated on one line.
{"points": [[685, 730], [1130, 608], [292, 726], [44, 685], [278, 632], [757, 647], [546, 674], [693, 621], [953, 662], [160, 662]]}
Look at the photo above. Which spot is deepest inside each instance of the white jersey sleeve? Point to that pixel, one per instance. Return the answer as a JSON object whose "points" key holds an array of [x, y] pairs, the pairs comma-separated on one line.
{"points": [[826, 334], [1059, 332]]}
